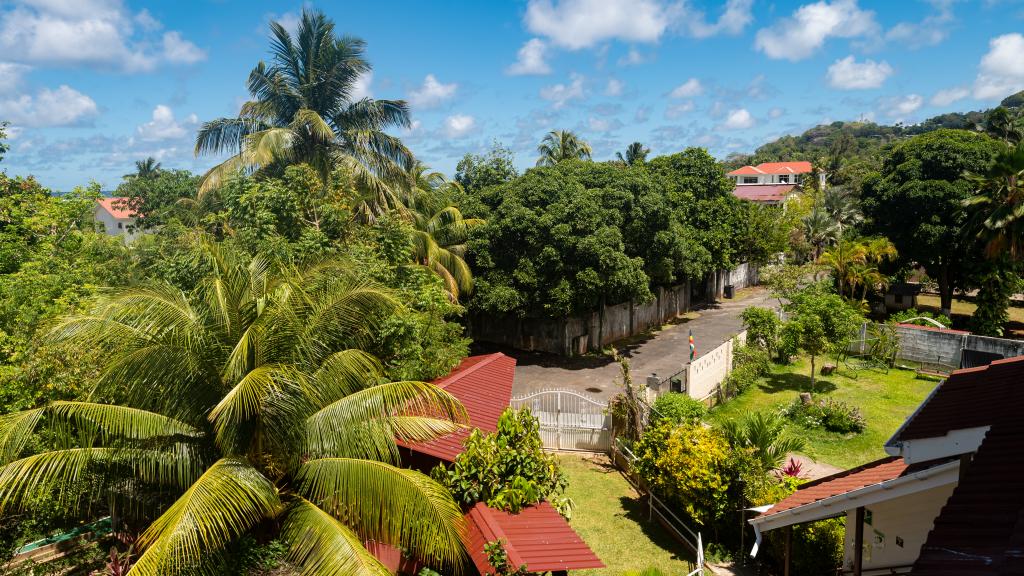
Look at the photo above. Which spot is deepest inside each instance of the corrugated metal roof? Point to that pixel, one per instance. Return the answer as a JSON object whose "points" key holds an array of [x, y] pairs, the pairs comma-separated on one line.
{"points": [[980, 530], [484, 386], [800, 167], [117, 206], [538, 537], [842, 482], [763, 192], [969, 398]]}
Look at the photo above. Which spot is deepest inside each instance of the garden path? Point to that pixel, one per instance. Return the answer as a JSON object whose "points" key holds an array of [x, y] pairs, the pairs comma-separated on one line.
{"points": [[663, 352]]}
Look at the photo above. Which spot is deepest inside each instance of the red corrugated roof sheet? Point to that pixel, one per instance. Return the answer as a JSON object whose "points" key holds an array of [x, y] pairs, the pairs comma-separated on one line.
{"points": [[763, 192], [117, 206], [842, 482], [773, 168], [970, 398], [538, 537], [484, 386], [980, 530]]}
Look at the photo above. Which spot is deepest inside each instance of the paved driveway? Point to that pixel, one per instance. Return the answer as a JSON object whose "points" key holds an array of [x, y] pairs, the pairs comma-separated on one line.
{"points": [[664, 352]]}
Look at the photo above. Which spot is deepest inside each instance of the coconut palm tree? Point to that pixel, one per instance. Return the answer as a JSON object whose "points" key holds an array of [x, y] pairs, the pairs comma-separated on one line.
{"points": [[998, 205], [560, 145], [147, 168], [635, 154], [843, 259], [819, 229], [843, 207], [304, 108], [246, 405]]}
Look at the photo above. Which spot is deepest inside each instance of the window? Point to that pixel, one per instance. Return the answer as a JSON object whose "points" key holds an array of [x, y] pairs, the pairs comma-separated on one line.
{"points": [[120, 225], [784, 179], [799, 178], [750, 179]]}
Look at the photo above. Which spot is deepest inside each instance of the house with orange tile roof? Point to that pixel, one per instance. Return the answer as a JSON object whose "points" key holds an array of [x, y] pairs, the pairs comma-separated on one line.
{"points": [[769, 183], [116, 216], [947, 499]]}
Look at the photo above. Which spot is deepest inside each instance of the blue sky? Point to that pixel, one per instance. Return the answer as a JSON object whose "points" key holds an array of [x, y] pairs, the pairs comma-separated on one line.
{"points": [[90, 86]]}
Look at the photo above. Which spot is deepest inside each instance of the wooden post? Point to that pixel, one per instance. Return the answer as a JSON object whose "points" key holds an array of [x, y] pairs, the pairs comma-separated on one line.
{"points": [[788, 550], [858, 541]]}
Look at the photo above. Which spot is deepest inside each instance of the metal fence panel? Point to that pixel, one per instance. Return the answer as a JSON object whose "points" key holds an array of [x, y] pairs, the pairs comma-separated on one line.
{"points": [[569, 420]]}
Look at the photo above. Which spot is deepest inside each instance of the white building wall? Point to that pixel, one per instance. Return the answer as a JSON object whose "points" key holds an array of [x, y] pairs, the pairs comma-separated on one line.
{"points": [[114, 226], [905, 521]]}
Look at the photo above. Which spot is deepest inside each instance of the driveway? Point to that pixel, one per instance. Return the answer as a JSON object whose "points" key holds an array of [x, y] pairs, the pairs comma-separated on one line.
{"points": [[663, 352]]}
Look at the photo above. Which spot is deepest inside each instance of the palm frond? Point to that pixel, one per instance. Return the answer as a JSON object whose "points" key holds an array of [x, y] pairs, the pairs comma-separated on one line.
{"points": [[16, 429], [121, 421], [323, 546]]}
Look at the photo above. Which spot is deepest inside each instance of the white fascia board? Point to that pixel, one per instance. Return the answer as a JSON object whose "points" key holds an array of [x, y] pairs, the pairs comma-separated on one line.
{"points": [[955, 442], [838, 505]]}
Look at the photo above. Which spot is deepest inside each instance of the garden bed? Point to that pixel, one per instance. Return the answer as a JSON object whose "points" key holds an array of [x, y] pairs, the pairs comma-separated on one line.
{"points": [[884, 399]]}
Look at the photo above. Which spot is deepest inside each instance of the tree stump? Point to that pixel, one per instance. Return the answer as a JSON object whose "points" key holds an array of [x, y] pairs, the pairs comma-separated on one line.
{"points": [[805, 398], [828, 369]]}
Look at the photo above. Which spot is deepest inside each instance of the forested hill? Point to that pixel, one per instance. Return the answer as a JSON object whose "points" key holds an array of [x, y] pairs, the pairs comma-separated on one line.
{"points": [[852, 147]]}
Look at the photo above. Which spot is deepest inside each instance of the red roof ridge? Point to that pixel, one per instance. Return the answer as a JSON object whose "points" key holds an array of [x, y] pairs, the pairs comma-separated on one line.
{"points": [[457, 374]]}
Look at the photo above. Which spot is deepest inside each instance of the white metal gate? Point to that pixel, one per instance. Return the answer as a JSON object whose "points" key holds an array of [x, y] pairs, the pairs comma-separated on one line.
{"points": [[569, 420]]}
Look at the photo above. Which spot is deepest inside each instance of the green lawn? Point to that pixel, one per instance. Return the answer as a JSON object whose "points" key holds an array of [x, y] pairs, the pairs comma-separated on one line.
{"points": [[885, 400], [611, 519]]}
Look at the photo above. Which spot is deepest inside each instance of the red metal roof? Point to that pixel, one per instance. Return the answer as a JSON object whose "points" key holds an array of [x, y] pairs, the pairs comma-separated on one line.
{"points": [[969, 398], [538, 537], [763, 192], [980, 530], [484, 386], [842, 482], [117, 206], [800, 167]]}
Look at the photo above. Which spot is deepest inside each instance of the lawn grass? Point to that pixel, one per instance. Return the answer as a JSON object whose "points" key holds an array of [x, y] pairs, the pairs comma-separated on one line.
{"points": [[613, 522], [885, 400]]}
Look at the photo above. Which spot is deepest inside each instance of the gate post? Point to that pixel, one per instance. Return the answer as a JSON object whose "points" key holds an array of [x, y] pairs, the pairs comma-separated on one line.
{"points": [[558, 422]]}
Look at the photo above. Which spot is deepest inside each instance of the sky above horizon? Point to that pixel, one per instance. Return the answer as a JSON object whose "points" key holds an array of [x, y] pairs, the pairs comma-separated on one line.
{"points": [[90, 86]]}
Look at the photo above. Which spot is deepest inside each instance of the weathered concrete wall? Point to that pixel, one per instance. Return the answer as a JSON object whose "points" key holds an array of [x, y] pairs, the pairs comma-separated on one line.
{"points": [[705, 374], [1008, 348], [924, 345], [744, 275]]}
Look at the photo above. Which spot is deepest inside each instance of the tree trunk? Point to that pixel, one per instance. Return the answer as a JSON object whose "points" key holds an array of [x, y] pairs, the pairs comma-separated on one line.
{"points": [[812, 373], [945, 291]]}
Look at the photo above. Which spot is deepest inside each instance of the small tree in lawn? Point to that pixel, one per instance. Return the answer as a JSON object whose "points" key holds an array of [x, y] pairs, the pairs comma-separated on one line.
{"points": [[820, 321]]}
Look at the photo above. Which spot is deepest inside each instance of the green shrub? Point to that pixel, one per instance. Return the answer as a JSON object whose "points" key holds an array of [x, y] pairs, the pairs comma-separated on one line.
{"points": [[762, 328], [508, 469], [764, 435], [756, 358], [904, 317], [678, 408], [832, 415], [739, 380]]}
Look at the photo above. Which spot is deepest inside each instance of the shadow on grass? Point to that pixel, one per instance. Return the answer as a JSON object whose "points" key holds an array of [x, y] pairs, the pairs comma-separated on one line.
{"points": [[791, 382], [637, 510]]}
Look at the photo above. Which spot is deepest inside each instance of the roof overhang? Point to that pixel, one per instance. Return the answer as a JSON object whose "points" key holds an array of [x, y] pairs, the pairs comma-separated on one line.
{"points": [[940, 475], [953, 443]]}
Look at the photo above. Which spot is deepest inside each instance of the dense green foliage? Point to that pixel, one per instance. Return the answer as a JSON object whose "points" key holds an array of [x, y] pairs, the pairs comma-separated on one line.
{"points": [[819, 321], [678, 408], [762, 326], [763, 434], [507, 469], [832, 415]]}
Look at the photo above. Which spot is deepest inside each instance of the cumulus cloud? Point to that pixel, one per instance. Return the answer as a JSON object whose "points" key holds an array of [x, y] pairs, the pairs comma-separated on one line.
{"points": [[361, 87], [64, 106], [632, 58], [677, 110], [805, 31], [614, 87], [576, 24], [177, 49], [902, 106], [776, 113], [459, 125], [163, 126], [642, 114], [688, 89], [530, 60], [949, 96], [738, 119], [560, 94], [95, 33], [930, 31], [735, 17], [10, 76], [596, 124], [1001, 71], [848, 74], [432, 93]]}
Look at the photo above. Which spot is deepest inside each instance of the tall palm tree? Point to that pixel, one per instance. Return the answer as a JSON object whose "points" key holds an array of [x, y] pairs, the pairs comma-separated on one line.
{"points": [[843, 259], [246, 405], [560, 145], [145, 169], [304, 109], [998, 205], [635, 154], [843, 207], [820, 230]]}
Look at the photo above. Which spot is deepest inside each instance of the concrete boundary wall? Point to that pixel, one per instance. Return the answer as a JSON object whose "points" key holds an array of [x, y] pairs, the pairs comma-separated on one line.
{"points": [[934, 346], [705, 374]]}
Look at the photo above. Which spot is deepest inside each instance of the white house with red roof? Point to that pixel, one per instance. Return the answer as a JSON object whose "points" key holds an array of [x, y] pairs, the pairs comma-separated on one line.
{"points": [[117, 217], [769, 183], [947, 500]]}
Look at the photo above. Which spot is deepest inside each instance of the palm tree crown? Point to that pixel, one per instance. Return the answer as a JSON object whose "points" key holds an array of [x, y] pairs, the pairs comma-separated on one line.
{"points": [[998, 205], [560, 145], [248, 403], [635, 154], [147, 168], [305, 108]]}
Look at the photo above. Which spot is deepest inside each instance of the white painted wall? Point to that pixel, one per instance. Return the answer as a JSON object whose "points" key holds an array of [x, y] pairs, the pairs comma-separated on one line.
{"points": [[704, 374], [908, 518], [114, 226]]}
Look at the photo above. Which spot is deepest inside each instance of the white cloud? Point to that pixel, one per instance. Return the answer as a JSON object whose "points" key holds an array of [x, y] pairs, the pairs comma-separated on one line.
{"points": [[930, 31], [459, 125], [902, 106], [614, 87], [776, 113], [10, 76], [1001, 71], [688, 89], [949, 96], [177, 49], [632, 58], [673, 112], [560, 94], [163, 126], [576, 24], [64, 106], [642, 114], [733, 20], [603, 124], [98, 34], [530, 60], [361, 87], [432, 93], [806, 30], [848, 74], [288, 20], [738, 119]]}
